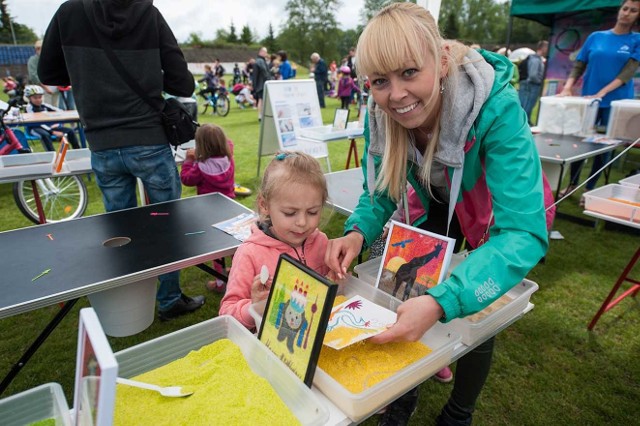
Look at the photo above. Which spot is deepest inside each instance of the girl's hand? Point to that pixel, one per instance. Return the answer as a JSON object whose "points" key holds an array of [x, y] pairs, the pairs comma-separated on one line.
{"points": [[415, 317], [259, 291], [341, 251], [190, 155]]}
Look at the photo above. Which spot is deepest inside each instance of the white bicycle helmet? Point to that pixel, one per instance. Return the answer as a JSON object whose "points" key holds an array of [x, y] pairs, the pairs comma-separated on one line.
{"points": [[32, 90]]}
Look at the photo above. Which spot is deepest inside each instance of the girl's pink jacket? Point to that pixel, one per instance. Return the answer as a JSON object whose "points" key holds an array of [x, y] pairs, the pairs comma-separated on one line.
{"points": [[260, 249]]}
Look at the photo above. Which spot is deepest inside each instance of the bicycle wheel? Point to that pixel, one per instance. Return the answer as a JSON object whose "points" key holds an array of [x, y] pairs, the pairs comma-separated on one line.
{"points": [[62, 197], [223, 106]]}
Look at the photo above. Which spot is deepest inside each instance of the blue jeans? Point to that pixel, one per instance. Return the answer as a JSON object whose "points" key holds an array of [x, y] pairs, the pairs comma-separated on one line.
{"points": [[116, 171], [598, 161], [528, 94]]}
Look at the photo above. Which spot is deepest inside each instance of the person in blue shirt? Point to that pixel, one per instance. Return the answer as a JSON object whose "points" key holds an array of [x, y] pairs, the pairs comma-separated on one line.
{"points": [[285, 70], [610, 58]]}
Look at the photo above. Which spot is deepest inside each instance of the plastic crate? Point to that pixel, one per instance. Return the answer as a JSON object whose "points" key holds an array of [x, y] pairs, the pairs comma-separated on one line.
{"points": [[624, 120], [632, 181], [38, 163], [77, 160], [567, 115], [620, 201], [158, 352], [40, 403], [360, 405], [473, 332]]}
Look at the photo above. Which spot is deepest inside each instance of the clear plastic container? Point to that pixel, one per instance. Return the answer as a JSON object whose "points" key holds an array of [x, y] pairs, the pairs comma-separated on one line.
{"points": [[567, 115], [77, 160], [624, 120], [360, 405], [40, 403], [162, 350], [37, 163], [632, 181], [473, 332], [620, 201]]}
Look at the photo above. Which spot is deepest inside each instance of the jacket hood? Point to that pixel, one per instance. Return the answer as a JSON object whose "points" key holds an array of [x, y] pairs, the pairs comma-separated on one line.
{"points": [[117, 18], [260, 238]]}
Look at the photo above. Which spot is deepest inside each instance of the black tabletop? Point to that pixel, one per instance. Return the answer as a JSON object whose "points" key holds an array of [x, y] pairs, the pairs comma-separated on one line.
{"points": [[567, 148], [164, 237]]}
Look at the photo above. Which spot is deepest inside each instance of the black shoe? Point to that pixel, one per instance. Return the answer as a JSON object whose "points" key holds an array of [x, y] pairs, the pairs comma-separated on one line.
{"points": [[184, 305], [400, 411]]}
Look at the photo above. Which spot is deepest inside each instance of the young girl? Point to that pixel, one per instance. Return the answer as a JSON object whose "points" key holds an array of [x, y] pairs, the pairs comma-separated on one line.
{"points": [[446, 119], [34, 95], [346, 87], [290, 201], [210, 167]]}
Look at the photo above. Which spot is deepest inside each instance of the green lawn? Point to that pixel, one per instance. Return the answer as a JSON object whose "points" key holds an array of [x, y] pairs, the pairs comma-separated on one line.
{"points": [[547, 368]]}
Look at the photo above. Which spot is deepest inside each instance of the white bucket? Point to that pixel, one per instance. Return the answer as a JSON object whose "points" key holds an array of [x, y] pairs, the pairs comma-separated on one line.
{"points": [[126, 310]]}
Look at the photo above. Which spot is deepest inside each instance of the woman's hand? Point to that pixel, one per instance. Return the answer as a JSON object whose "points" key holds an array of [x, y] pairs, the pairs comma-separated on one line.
{"points": [[341, 251], [415, 317], [259, 291], [565, 92]]}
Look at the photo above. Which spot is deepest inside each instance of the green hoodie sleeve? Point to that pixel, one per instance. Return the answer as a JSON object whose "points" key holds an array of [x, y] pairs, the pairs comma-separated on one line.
{"points": [[369, 219], [518, 237]]}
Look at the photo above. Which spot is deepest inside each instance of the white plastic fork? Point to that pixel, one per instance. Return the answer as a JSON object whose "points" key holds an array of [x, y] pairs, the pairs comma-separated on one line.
{"points": [[169, 391]]}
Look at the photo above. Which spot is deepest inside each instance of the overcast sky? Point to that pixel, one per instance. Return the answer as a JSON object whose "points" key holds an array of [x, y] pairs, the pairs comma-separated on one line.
{"points": [[199, 16]]}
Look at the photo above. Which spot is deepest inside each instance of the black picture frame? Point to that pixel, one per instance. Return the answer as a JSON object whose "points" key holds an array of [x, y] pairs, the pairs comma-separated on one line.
{"points": [[296, 316]]}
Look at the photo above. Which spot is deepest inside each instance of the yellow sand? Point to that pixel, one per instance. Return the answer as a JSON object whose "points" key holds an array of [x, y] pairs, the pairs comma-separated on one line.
{"points": [[364, 364], [226, 391]]}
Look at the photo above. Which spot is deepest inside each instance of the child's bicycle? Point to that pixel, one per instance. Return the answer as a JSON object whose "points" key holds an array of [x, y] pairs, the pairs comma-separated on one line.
{"points": [[219, 101], [62, 197]]}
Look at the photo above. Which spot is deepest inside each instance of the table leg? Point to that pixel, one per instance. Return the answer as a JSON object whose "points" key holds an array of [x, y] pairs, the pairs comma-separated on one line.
{"points": [[36, 344], [208, 269], [353, 149], [633, 291], [36, 196]]}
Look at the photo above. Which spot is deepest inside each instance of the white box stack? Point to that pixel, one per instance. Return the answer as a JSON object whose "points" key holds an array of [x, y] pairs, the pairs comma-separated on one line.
{"points": [[619, 201], [624, 120], [44, 402], [568, 115]]}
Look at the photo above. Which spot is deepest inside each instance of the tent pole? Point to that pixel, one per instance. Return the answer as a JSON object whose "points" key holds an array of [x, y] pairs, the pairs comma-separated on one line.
{"points": [[509, 28]]}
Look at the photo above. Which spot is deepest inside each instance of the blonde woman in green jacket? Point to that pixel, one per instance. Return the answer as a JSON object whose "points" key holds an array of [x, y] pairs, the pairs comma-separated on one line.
{"points": [[445, 119]]}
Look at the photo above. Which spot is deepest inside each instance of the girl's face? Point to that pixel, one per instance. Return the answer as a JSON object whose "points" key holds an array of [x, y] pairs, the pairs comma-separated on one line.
{"points": [[629, 13], [295, 212], [404, 93]]}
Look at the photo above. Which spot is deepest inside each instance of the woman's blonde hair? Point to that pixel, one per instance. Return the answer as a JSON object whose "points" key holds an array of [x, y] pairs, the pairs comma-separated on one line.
{"points": [[211, 142], [399, 33], [292, 167]]}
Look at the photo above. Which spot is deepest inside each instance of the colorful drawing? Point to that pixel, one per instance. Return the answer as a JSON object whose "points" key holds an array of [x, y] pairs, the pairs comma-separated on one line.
{"points": [[355, 320], [296, 316], [340, 119], [414, 261]]}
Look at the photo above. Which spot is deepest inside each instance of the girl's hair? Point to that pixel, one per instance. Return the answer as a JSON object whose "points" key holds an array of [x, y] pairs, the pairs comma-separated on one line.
{"points": [[399, 33], [292, 167], [211, 142]]}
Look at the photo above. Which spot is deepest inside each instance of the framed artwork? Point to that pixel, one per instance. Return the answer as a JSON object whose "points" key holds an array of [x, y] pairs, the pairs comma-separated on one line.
{"points": [[414, 260], [296, 315], [340, 119], [96, 373]]}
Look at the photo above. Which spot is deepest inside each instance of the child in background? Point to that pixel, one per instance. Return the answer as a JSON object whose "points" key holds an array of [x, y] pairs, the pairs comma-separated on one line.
{"points": [[210, 168], [346, 86], [244, 97], [35, 103], [290, 202]]}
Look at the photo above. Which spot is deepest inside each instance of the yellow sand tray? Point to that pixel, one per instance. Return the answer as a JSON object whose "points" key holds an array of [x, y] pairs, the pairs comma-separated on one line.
{"points": [[226, 391], [362, 365]]}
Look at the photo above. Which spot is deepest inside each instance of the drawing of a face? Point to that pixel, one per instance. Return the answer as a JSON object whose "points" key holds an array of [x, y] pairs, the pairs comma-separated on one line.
{"points": [[293, 318]]}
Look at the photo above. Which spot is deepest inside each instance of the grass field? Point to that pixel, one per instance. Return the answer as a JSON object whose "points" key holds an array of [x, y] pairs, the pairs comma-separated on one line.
{"points": [[548, 369]]}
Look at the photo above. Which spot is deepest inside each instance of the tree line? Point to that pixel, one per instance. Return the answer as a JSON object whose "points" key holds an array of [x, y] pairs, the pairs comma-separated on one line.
{"points": [[312, 26]]}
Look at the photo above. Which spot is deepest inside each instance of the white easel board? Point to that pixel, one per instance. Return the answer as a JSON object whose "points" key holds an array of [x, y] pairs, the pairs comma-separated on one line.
{"points": [[289, 107]]}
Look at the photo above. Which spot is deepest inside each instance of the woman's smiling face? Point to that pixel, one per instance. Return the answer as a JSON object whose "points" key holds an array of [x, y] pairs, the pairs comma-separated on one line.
{"points": [[408, 94]]}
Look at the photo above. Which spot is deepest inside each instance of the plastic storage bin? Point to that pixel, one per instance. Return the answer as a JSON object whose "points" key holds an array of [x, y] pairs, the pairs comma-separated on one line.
{"points": [[633, 181], [473, 332], [620, 201], [77, 160], [37, 163], [158, 352], [40, 403], [360, 405], [624, 120], [570, 115]]}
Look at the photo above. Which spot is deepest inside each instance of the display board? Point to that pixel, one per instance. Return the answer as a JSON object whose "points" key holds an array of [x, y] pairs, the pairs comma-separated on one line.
{"points": [[289, 107]]}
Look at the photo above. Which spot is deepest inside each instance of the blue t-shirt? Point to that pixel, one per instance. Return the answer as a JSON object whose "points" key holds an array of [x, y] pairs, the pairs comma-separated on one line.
{"points": [[285, 70], [605, 54]]}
